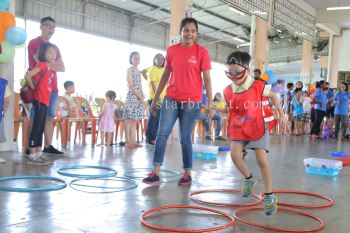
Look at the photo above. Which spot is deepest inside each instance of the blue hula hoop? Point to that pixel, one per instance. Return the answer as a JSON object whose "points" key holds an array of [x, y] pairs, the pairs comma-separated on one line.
{"points": [[339, 154], [127, 173], [74, 185], [42, 189], [224, 148], [62, 171]]}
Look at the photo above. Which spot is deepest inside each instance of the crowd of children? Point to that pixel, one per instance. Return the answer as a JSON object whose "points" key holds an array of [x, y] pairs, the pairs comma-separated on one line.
{"points": [[319, 111]]}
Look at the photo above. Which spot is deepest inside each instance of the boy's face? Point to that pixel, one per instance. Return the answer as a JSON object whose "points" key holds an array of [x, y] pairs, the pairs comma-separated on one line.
{"points": [[237, 73], [71, 89], [298, 93]]}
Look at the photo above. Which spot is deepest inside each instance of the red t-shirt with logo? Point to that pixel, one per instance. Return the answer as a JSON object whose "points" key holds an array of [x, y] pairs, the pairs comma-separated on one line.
{"points": [[42, 89], [186, 65], [33, 49]]}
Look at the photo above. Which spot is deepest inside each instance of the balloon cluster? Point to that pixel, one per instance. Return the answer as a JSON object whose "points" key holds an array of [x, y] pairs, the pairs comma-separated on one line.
{"points": [[10, 36]]}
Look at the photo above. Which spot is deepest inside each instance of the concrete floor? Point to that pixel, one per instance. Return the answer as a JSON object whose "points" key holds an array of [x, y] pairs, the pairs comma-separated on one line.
{"points": [[72, 211]]}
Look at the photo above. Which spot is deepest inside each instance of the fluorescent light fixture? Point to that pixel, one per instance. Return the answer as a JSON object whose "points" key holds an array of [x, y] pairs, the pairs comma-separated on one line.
{"points": [[279, 30], [243, 45], [303, 33], [238, 39], [235, 10], [337, 8]]}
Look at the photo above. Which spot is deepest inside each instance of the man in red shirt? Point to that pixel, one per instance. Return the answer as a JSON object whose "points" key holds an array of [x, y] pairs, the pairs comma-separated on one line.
{"points": [[47, 27]]}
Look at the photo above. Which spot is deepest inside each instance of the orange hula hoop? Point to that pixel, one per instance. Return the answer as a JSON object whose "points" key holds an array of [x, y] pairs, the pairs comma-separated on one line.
{"points": [[258, 197], [279, 228], [330, 203], [144, 215]]}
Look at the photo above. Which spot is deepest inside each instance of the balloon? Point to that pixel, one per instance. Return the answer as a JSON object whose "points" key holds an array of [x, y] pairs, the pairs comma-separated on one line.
{"points": [[8, 52], [272, 79], [265, 77], [16, 36], [4, 5], [2, 34], [7, 20]]}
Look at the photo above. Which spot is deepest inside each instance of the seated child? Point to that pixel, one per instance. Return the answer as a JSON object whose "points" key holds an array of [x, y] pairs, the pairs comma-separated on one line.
{"points": [[70, 89]]}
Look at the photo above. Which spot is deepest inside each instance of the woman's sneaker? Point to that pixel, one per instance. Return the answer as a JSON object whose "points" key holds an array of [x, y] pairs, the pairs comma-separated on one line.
{"points": [[270, 204], [151, 179], [185, 180], [248, 187]]}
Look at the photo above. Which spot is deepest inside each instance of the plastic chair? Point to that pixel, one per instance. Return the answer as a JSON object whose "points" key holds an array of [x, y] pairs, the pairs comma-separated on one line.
{"points": [[85, 114], [20, 120]]}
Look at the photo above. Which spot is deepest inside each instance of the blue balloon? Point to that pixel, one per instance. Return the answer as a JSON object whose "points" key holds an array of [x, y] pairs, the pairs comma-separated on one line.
{"points": [[16, 36], [272, 78]]}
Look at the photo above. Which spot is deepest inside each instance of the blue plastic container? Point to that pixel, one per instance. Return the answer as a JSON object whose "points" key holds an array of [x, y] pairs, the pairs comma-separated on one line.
{"points": [[205, 152], [325, 167]]}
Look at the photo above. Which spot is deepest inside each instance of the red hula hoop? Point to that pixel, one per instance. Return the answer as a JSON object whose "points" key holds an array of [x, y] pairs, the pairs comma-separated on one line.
{"points": [[258, 197], [144, 215], [277, 228], [330, 203]]}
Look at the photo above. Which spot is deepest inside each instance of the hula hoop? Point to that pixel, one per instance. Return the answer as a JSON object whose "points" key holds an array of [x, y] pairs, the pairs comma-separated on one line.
{"points": [[143, 216], [42, 189], [127, 173], [339, 154], [72, 184], [278, 228], [62, 171], [309, 206], [258, 197], [224, 148]]}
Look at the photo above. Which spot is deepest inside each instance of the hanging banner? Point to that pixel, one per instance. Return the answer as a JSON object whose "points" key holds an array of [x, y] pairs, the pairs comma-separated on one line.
{"points": [[259, 8], [294, 19]]}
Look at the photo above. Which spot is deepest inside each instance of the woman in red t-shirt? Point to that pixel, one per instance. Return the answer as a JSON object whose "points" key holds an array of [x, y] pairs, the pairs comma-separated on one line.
{"points": [[39, 79], [187, 65]]}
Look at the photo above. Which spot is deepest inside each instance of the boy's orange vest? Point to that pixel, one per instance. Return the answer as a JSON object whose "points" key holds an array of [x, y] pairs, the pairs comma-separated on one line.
{"points": [[249, 111]]}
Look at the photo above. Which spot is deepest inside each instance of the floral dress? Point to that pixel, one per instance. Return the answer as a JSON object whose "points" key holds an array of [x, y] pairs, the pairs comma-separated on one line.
{"points": [[134, 108]]}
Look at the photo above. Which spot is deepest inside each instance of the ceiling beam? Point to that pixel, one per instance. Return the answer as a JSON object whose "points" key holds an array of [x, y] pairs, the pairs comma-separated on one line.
{"points": [[200, 23]]}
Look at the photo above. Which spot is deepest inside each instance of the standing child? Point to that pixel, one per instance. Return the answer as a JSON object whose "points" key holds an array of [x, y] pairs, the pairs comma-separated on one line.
{"points": [[307, 109], [298, 112], [39, 79], [107, 119], [248, 123]]}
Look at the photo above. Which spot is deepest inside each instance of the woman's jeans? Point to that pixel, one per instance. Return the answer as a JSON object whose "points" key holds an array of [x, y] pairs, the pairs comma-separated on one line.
{"points": [[152, 123], [343, 120], [170, 111], [316, 127]]}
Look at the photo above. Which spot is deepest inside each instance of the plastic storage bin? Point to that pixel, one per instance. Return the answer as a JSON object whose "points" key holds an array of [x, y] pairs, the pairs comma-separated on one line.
{"points": [[325, 167], [206, 152]]}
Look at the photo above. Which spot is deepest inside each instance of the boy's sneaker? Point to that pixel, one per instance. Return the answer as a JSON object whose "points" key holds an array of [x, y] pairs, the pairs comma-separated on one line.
{"points": [[38, 159], [151, 179], [270, 204], [248, 187], [185, 180], [52, 150]]}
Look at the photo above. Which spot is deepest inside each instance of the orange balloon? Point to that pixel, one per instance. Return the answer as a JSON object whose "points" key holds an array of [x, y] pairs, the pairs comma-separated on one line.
{"points": [[265, 77], [2, 34], [7, 20]]}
